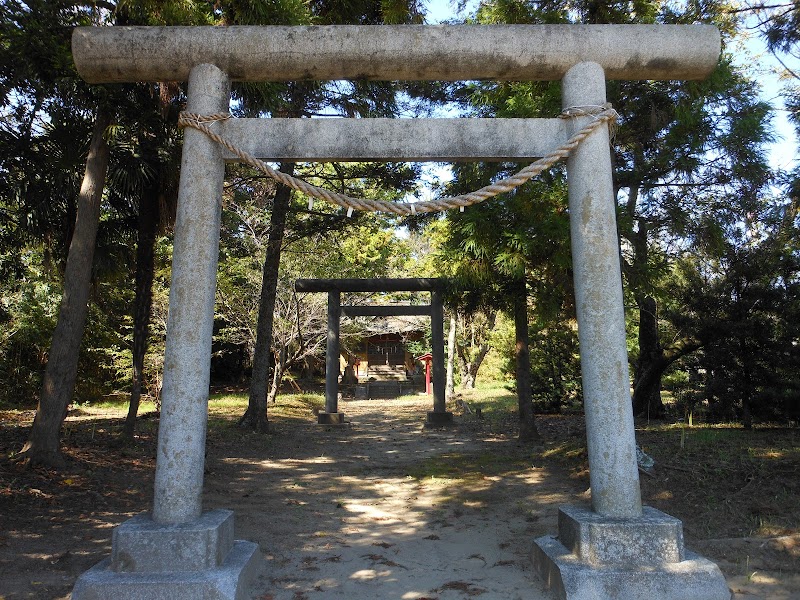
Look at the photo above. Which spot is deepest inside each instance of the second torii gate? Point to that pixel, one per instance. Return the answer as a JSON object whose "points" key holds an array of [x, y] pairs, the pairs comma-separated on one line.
{"points": [[334, 287]]}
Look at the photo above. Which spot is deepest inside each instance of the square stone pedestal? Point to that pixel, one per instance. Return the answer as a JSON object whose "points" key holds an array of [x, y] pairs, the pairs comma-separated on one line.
{"points": [[439, 419], [191, 561], [596, 557], [336, 418]]}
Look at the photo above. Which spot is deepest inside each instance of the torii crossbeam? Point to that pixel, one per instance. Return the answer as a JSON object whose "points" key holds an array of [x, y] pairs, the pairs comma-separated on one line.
{"points": [[615, 550]]}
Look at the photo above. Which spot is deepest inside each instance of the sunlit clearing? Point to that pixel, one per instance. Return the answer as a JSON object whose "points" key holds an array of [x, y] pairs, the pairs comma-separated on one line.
{"points": [[767, 453], [369, 574], [759, 577], [370, 511]]}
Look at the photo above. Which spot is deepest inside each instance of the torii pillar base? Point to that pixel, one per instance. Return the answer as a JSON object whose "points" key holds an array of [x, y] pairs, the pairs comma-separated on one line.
{"points": [[439, 419], [199, 560], [625, 559], [331, 418]]}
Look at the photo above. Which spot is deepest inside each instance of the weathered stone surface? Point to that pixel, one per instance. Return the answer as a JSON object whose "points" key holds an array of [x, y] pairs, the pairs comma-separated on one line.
{"points": [[187, 356], [652, 539], [332, 353], [325, 418], [607, 563], [394, 139], [438, 419], [142, 545], [599, 308], [229, 581], [694, 578], [617, 550], [597, 557], [404, 52], [437, 351]]}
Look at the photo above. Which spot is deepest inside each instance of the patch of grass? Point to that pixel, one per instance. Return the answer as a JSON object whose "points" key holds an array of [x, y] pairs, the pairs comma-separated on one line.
{"points": [[495, 393], [225, 410], [297, 406], [775, 453], [230, 406], [497, 405], [120, 402], [227, 402]]}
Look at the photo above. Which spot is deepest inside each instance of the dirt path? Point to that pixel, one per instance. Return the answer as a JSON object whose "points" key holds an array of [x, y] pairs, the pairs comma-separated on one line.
{"points": [[387, 509], [383, 509]]}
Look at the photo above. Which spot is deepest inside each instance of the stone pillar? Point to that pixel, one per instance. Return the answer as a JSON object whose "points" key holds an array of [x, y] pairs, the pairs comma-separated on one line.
{"points": [[332, 416], [599, 306], [616, 549], [439, 416], [181, 553], [187, 355]]}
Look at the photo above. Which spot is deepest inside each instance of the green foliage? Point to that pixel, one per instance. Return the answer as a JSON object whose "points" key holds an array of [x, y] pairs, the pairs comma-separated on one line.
{"points": [[780, 26], [318, 243], [555, 367], [745, 305], [164, 12], [554, 360], [421, 346], [690, 169], [28, 311], [47, 116], [703, 232]]}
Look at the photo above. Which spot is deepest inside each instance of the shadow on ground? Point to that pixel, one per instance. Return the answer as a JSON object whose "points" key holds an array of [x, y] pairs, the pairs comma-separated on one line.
{"points": [[387, 509]]}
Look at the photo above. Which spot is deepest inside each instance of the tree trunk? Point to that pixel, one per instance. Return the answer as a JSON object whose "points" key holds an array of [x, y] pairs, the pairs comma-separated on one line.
{"points": [[463, 367], [647, 387], [467, 379], [527, 423], [747, 388], [277, 376], [58, 384], [449, 387], [471, 364], [647, 393], [147, 227], [256, 415], [649, 378]]}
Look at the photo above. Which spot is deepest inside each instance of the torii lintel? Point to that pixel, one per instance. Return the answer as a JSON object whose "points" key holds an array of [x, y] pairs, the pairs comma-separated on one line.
{"points": [[395, 52]]}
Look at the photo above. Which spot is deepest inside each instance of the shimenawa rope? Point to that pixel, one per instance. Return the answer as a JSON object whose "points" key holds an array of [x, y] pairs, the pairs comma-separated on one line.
{"points": [[601, 115]]}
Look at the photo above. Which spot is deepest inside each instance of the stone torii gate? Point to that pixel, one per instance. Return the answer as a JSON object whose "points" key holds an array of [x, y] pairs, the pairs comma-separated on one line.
{"points": [[334, 287], [616, 549]]}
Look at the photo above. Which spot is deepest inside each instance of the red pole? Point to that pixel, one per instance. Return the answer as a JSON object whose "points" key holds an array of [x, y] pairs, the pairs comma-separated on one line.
{"points": [[428, 376]]}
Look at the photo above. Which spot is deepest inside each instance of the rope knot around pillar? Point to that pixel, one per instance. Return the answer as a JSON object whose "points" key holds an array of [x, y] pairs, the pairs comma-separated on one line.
{"points": [[586, 110], [601, 115], [187, 119], [598, 111]]}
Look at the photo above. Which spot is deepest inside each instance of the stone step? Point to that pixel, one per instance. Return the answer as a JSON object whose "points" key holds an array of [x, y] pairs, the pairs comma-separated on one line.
{"points": [[386, 373], [391, 389]]}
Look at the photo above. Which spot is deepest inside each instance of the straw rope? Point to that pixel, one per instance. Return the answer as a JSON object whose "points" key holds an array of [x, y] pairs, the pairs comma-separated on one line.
{"points": [[600, 116]]}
